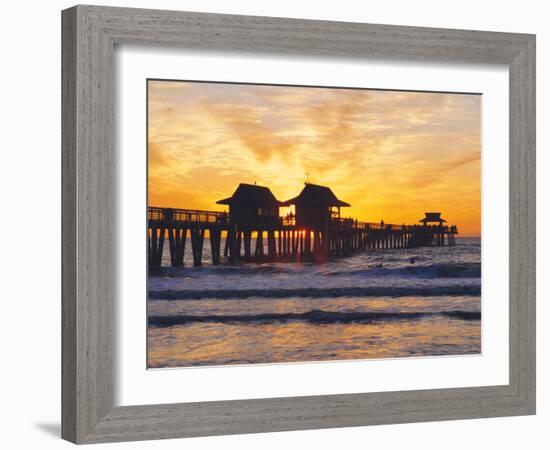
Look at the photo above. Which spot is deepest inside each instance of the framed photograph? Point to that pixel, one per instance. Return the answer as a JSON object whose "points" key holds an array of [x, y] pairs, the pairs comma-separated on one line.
{"points": [[278, 224]]}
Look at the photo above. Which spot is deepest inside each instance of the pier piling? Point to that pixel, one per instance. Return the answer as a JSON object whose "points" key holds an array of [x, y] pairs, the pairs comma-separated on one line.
{"points": [[284, 240]]}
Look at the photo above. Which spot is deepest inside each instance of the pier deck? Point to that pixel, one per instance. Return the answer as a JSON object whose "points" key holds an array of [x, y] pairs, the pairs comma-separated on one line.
{"points": [[277, 238]]}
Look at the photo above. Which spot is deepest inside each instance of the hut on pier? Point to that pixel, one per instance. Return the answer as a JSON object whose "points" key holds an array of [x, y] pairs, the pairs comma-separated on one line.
{"points": [[432, 218], [252, 205], [316, 206]]}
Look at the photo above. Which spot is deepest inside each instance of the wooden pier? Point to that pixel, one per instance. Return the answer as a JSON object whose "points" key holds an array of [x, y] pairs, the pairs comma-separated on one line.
{"points": [[268, 237]]}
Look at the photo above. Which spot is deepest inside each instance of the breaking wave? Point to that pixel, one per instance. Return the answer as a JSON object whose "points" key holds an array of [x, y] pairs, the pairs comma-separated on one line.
{"points": [[437, 270], [315, 317], [443, 270], [370, 291]]}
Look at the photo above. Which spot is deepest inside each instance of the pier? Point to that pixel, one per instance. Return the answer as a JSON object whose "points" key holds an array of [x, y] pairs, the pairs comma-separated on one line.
{"points": [[252, 230]]}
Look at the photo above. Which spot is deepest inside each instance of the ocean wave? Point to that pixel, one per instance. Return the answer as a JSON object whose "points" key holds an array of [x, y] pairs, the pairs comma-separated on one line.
{"points": [[228, 269], [372, 269], [371, 291], [443, 270], [315, 317]]}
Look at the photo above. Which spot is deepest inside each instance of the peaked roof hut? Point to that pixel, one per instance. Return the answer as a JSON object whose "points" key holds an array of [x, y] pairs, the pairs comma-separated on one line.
{"points": [[252, 204], [314, 194], [432, 217], [315, 206]]}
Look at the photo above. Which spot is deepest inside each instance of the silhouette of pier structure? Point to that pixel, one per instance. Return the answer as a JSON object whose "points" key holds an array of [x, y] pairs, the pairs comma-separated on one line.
{"points": [[253, 230]]}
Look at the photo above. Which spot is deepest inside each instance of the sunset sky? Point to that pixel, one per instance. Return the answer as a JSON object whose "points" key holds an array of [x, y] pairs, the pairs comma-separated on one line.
{"points": [[392, 155]]}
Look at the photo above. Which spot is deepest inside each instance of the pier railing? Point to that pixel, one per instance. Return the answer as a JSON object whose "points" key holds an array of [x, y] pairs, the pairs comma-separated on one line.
{"points": [[197, 216], [185, 215], [343, 223]]}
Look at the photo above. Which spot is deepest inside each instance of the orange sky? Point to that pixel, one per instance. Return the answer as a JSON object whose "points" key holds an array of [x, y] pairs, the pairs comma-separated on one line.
{"points": [[392, 155]]}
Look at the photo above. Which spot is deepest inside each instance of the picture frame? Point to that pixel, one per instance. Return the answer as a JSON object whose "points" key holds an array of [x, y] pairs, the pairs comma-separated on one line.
{"points": [[90, 34]]}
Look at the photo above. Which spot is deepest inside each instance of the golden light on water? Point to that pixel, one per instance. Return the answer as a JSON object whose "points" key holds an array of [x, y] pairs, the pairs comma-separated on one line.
{"points": [[391, 155], [271, 343]]}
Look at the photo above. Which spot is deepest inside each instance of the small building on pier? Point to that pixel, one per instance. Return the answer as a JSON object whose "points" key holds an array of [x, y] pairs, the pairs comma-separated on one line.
{"points": [[252, 205], [433, 218], [316, 206]]}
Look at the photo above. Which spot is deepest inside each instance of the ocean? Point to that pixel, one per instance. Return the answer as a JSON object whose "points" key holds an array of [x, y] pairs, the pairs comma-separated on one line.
{"points": [[396, 303]]}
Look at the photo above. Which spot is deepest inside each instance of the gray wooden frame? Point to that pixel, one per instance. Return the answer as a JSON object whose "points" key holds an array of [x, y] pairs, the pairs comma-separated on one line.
{"points": [[89, 36]]}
